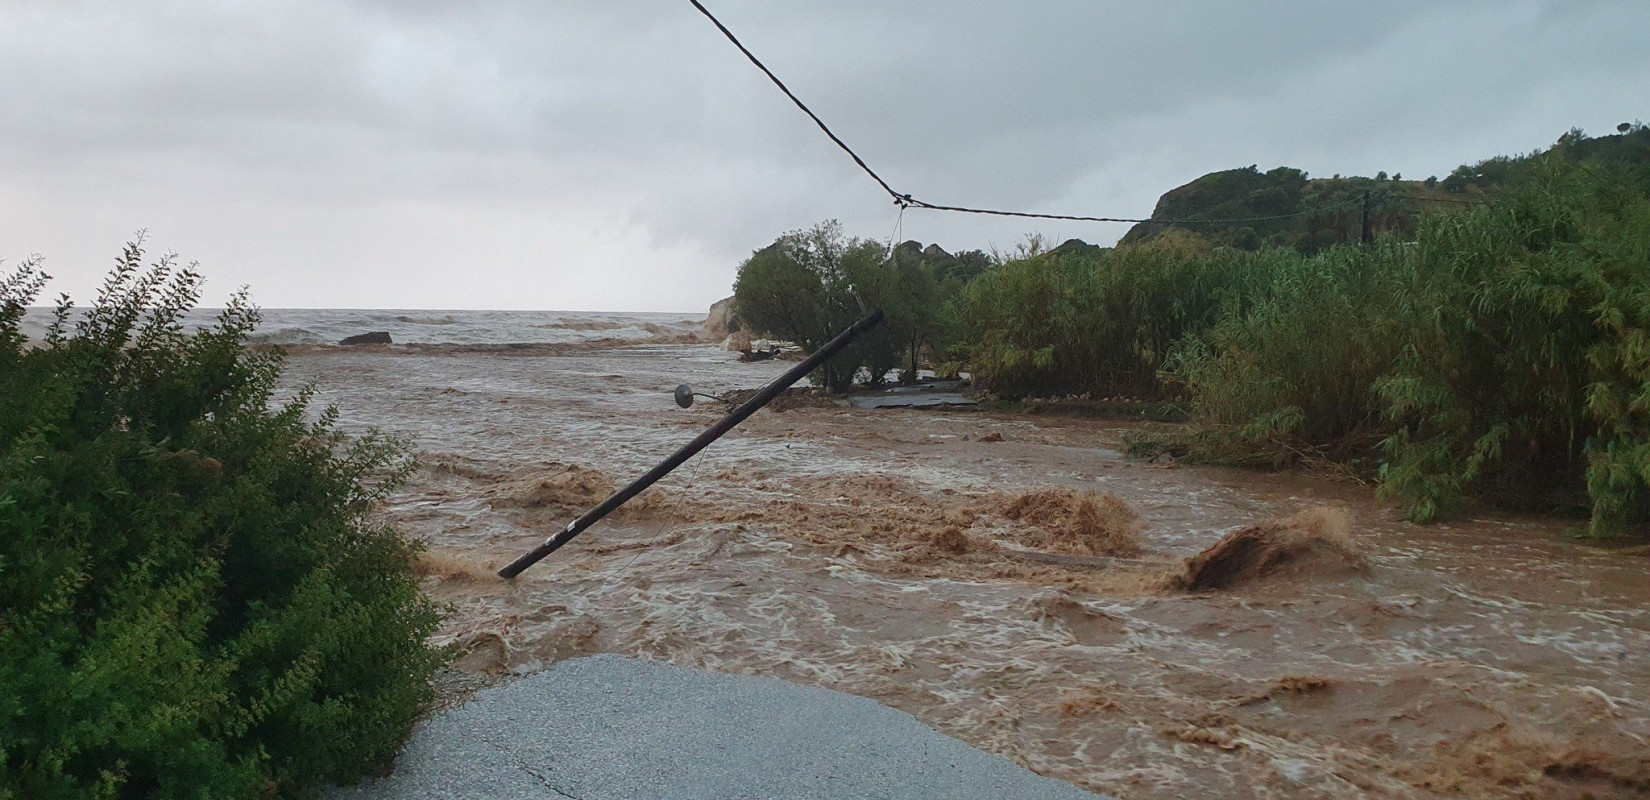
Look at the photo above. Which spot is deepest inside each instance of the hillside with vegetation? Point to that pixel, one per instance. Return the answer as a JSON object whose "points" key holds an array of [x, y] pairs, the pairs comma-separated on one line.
{"points": [[1491, 344], [1284, 207]]}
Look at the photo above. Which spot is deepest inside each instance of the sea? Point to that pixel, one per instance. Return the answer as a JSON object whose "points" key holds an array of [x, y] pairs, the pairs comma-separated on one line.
{"points": [[329, 326]]}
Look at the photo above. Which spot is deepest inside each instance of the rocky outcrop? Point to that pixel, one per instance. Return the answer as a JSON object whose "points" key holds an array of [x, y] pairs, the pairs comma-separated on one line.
{"points": [[934, 252], [720, 321], [738, 342], [910, 250], [1076, 247]]}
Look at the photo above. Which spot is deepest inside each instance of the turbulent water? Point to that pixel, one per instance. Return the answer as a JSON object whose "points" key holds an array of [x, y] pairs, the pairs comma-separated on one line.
{"points": [[890, 554]]}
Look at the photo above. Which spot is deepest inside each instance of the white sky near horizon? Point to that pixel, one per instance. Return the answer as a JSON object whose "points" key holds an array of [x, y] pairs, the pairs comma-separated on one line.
{"points": [[623, 156]]}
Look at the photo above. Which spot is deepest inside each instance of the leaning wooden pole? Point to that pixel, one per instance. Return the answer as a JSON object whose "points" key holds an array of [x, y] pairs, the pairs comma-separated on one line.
{"points": [[689, 450]]}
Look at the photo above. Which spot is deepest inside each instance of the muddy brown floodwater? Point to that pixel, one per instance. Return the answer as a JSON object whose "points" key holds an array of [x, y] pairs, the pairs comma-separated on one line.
{"points": [[998, 591]]}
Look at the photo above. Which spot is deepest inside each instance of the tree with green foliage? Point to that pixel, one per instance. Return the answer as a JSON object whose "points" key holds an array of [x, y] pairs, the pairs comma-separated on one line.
{"points": [[801, 288], [195, 600], [963, 267], [809, 285], [908, 291]]}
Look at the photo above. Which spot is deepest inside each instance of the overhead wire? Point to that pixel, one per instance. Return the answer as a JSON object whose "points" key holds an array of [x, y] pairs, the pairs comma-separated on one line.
{"points": [[906, 200], [1432, 199], [798, 101], [899, 228], [1080, 218]]}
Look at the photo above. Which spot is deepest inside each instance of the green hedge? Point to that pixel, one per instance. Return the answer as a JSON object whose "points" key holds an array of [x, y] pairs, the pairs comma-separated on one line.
{"points": [[1502, 354], [194, 599], [1098, 322]]}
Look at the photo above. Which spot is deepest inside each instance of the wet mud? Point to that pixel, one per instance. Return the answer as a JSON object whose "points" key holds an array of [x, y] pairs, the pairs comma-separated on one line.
{"points": [[1146, 630]]}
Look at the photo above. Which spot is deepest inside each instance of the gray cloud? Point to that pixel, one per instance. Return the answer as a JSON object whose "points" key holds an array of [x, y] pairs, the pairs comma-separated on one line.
{"points": [[622, 155]]}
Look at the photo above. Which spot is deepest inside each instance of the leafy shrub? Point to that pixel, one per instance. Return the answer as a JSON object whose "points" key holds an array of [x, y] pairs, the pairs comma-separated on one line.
{"points": [[1526, 375], [194, 600], [1291, 369], [1096, 322], [1505, 353]]}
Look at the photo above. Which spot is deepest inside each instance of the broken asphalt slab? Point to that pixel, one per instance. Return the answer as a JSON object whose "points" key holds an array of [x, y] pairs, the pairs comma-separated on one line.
{"points": [[609, 727], [925, 395]]}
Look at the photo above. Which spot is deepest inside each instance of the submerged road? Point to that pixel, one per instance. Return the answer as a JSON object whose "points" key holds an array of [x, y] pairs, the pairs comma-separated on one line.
{"points": [[609, 727]]}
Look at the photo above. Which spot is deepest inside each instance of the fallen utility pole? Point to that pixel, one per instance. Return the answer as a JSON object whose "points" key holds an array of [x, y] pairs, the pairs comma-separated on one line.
{"points": [[700, 442]]}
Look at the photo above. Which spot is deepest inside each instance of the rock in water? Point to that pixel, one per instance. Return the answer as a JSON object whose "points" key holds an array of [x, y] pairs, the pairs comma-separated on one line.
{"points": [[375, 337], [738, 342]]}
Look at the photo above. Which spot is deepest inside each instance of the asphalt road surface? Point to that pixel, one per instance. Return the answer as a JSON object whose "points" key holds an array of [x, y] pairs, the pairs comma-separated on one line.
{"points": [[609, 727]]}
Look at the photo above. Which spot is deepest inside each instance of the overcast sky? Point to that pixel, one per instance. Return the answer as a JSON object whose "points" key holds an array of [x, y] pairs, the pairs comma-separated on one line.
{"points": [[623, 156]]}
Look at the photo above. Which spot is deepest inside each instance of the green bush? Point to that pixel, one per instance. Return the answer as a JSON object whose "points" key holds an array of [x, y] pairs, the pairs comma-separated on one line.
{"points": [[1096, 322], [1291, 368], [194, 599], [1504, 354], [1526, 373]]}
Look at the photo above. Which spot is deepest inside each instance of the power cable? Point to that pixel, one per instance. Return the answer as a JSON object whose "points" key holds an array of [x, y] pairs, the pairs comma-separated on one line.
{"points": [[1427, 199], [798, 101], [1078, 218], [906, 200], [899, 228]]}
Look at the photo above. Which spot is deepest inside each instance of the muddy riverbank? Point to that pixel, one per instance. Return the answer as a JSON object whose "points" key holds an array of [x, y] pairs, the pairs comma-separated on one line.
{"points": [[1007, 580]]}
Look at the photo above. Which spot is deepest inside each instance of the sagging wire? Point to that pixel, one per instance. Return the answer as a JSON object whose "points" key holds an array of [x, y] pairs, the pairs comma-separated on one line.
{"points": [[903, 200]]}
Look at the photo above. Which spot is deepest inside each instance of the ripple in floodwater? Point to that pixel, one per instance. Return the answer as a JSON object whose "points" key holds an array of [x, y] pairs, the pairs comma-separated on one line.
{"points": [[874, 552]]}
